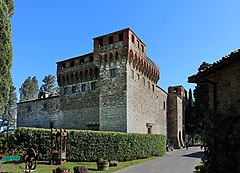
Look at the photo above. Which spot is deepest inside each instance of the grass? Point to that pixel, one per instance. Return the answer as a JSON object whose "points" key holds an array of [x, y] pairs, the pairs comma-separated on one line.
{"points": [[92, 167]]}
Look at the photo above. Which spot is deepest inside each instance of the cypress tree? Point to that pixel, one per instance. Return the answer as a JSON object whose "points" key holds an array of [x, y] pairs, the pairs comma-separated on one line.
{"points": [[8, 117], [6, 12]]}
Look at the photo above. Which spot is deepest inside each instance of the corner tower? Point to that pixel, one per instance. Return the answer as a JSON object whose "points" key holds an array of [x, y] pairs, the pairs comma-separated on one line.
{"points": [[111, 51]]}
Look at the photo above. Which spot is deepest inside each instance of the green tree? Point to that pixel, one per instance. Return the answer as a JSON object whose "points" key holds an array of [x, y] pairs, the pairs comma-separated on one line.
{"points": [[6, 12], [7, 120], [29, 89], [49, 84]]}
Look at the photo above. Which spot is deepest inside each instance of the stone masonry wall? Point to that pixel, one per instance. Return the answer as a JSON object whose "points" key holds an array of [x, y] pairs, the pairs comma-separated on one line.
{"points": [[81, 109], [39, 113], [227, 83], [174, 118], [78, 110], [146, 107], [111, 50]]}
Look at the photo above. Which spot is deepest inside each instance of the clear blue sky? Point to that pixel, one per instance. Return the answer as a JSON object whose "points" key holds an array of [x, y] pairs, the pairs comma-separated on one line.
{"points": [[179, 35]]}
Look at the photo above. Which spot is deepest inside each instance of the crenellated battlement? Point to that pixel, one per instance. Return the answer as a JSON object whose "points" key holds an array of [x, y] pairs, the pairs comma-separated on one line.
{"points": [[78, 69]]}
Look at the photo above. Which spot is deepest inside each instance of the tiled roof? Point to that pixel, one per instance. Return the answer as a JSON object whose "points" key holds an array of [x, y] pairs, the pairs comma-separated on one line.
{"points": [[206, 68]]}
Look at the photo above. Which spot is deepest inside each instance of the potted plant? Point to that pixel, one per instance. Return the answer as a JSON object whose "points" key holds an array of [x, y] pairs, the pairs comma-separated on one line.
{"points": [[102, 164], [61, 169]]}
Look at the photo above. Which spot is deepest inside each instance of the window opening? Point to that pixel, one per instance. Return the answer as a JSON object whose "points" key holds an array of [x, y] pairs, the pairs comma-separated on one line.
{"points": [[120, 36], [100, 42], [113, 72], [143, 81], [91, 59], [63, 66], [164, 105], [72, 64], [138, 43], [65, 91], [133, 38], [74, 89], [93, 86], [142, 48], [153, 87], [132, 74], [110, 40], [45, 106], [175, 90], [81, 61], [29, 109], [83, 87], [148, 85]]}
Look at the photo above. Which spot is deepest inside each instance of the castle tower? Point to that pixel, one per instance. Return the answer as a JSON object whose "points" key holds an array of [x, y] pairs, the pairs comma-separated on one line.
{"points": [[176, 103], [129, 96]]}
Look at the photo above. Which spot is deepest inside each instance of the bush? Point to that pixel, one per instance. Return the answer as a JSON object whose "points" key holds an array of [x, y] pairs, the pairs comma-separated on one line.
{"points": [[91, 145]]}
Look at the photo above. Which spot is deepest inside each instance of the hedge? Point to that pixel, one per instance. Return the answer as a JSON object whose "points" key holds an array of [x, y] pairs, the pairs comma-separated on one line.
{"points": [[91, 145]]}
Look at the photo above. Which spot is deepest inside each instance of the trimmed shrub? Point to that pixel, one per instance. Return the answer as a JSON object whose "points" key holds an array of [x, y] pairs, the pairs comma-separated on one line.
{"points": [[91, 145]]}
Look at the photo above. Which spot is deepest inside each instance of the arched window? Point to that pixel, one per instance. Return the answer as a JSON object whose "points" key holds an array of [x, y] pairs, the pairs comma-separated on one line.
{"points": [[71, 77], [111, 57], [96, 72], [86, 74], [76, 76], [63, 79], [91, 73], [81, 75], [72, 64]]}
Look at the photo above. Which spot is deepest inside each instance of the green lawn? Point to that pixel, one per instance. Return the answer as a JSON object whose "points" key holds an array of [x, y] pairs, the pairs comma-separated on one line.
{"points": [[92, 167]]}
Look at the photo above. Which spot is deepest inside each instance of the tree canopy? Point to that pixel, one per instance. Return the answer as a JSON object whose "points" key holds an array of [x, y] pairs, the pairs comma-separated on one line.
{"points": [[29, 89], [49, 84]]}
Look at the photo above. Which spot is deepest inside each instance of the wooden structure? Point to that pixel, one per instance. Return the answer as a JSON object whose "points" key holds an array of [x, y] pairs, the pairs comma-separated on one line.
{"points": [[58, 146]]}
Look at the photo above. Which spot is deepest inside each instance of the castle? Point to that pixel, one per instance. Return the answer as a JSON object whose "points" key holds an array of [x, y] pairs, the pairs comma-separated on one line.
{"points": [[114, 88]]}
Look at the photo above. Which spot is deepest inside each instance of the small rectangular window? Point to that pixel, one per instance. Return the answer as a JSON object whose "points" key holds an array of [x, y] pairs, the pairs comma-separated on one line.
{"points": [[138, 43], [45, 106], [81, 61], [93, 86], [91, 59], [164, 105], [29, 108], [72, 64], [63, 66], [65, 91], [113, 72], [153, 88], [149, 86], [138, 76], [142, 48], [133, 38], [132, 74], [74, 89], [175, 90], [100, 42], [143, 81], [83, 87], [120, 36], [110, 40]]}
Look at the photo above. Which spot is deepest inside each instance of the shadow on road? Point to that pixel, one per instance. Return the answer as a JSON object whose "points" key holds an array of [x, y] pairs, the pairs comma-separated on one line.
{"points": [[199, 154]]}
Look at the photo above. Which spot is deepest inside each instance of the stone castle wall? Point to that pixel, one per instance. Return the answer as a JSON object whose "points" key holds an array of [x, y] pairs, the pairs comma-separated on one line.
{"points": [[175, 119], [227, 92], [146, 106], [124, 98], [39, 113]]}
